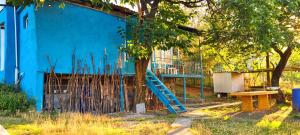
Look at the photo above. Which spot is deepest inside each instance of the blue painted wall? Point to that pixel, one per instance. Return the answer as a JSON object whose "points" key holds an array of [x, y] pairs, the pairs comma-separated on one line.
{"points": [[28, 54], [7, 18], [88, 31], [55, 33], [10, 48]]}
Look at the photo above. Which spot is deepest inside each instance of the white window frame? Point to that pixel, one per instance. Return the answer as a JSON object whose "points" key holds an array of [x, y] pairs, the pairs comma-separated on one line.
{"points": [[2, 2], [25, 21]]}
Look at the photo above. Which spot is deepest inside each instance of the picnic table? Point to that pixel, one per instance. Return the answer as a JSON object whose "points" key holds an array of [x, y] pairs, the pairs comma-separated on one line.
{"points": [[247, 99]]}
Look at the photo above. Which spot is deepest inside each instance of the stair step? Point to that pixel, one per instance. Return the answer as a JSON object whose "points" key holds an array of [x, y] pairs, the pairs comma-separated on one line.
{"points": [[174, 106], [168, 98]]}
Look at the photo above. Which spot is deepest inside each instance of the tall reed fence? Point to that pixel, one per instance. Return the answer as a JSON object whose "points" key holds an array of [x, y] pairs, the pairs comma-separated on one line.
{"points": [[85, 89], [91, 89]]}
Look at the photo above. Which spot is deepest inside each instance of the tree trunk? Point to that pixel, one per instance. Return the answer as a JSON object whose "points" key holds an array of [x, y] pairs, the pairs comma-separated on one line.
{"points": [[140, 89], [146, 11], [276, 74]]}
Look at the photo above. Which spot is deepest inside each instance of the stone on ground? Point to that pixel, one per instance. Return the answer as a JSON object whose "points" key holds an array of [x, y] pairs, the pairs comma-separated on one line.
{"points": [[141, 108], [3, 131]]}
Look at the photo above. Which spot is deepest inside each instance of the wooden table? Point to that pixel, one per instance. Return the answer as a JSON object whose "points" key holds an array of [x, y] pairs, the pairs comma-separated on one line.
{"points": [[247, 99]]}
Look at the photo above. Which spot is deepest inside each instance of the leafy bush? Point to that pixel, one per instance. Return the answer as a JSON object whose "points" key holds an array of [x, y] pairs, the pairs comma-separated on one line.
{"points": [[12, 100]]}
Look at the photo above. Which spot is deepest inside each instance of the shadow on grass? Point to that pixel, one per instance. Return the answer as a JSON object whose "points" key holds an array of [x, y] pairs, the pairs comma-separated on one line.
{"points": [[10, 121], [280, 120]]}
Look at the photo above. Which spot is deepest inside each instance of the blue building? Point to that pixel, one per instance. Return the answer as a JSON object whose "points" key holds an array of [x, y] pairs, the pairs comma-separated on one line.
{"points": [[35, 39], [53, 33]]}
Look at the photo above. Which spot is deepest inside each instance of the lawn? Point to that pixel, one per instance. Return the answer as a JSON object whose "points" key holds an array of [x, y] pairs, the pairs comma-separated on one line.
{"points": [[281, 120], [230, 121], [86, 124]]}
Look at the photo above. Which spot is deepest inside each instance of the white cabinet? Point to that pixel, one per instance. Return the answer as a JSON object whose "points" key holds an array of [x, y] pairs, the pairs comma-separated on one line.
{"points": [[228, 82]]}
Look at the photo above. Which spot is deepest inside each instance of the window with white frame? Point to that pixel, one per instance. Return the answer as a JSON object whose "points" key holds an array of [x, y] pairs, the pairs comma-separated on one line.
{"points": [[2, 41], [2, 2], [25, 21]]}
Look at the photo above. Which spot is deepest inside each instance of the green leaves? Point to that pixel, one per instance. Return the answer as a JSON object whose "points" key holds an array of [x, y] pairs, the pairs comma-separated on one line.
{"points": [[22, 2], [253, 25], [12, 100], [160, 32], [136, 50], [62, 5]]}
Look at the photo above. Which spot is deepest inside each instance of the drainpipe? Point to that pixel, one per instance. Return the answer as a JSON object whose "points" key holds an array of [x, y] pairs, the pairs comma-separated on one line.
{"points": [[16, 48]]}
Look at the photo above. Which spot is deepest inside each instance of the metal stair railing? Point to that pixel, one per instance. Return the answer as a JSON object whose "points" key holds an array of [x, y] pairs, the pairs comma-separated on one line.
{"points": [[163, 93]]}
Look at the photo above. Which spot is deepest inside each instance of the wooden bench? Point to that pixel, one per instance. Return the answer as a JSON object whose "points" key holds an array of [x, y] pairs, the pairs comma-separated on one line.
{"points": [[247, 99]]}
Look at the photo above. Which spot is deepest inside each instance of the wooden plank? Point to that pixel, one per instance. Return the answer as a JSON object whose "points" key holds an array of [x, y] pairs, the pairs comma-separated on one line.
{"points": [[253, 93], [247, 104], [263, 102]]}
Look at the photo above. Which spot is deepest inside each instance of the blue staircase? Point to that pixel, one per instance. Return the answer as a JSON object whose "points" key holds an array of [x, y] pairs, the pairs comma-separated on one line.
{"points": [[163, 93]]}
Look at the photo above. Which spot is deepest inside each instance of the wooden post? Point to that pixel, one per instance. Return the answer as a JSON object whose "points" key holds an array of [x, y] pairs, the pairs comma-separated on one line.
{"points": [[268, 72], [184, 90], [247, 104], [121, 94], [201, 70], [126, 95], [263, 102], [201, 79]]}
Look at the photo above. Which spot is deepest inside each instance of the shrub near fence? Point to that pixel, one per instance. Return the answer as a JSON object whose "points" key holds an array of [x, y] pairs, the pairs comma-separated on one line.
{"points": [[12, 100]]}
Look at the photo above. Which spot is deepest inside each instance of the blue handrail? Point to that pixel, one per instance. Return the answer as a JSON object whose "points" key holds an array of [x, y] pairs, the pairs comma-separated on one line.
{"points": [[163, 93]]}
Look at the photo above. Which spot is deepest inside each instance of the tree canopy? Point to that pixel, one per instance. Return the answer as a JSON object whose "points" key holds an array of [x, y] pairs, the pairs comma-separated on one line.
{"points": [[255, 27], [161, 32]]}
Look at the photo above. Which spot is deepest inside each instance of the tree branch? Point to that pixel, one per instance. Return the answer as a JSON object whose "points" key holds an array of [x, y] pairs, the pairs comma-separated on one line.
{"points": [[154, 7], [276, 49], [188, 3], [191, 30], [288, 51], [144, 7]]}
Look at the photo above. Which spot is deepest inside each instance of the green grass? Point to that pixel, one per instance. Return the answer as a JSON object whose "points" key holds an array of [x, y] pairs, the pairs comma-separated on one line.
{"points": [[234, 126], [281, 121], [219, 121], [86, 124]]}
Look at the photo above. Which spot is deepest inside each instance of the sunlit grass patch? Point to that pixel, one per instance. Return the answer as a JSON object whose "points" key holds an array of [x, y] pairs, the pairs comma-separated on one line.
{"points": [[150, 128], [222, 111], [198, 128], [218, 126], [75, 123], [30, 129], [269, 124], [274, 120], [226, 117], [280, 122]]}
